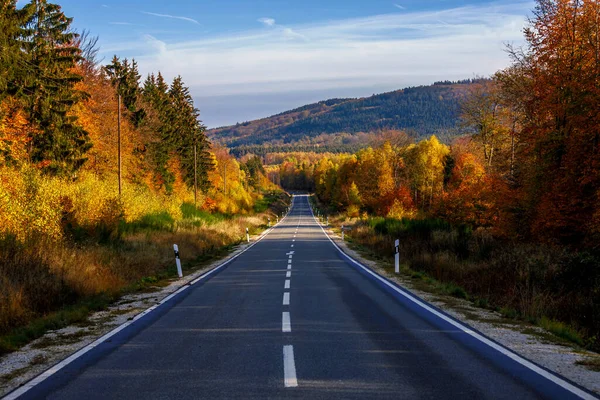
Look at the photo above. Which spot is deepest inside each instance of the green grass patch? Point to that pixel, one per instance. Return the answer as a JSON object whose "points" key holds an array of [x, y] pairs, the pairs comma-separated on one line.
{"points": [[161, 221], [262, 205], [481, 303], [190, 212], [561, 330], [508, 312]]}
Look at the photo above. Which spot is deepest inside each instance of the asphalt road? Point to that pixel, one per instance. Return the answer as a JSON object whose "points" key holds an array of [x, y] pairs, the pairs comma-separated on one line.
{"points": [[293, 318]]}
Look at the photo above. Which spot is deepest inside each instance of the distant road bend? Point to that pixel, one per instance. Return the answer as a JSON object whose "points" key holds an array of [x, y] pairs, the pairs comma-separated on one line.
{"points": [[292, 317]]}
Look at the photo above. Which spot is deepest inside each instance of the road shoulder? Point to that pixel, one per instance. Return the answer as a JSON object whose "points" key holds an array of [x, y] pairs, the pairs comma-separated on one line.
{"points": [[522, 338], [21, 366]]}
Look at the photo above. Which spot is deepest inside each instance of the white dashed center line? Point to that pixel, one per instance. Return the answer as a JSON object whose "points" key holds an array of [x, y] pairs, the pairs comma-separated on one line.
{"points": [[288, 274], [290, 266], [289, 367], [287, 284], [286, 299], [286, 325]]}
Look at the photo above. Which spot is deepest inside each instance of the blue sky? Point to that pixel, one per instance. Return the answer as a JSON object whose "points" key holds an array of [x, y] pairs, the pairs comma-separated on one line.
{"points": [[249, 59]]}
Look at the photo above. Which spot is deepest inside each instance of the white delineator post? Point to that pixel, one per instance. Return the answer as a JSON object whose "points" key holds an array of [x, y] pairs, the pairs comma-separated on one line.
{"points": [[269, 222], [397, 257], [342, 233], [247, 236], [177, 260]]}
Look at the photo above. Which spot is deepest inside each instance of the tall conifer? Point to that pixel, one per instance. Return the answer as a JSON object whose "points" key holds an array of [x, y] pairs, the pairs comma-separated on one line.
{"points": [[49, 44]]}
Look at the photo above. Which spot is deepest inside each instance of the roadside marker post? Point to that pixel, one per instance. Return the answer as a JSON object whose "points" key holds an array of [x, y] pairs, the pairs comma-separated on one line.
{"points": [[269, 222], [327, 222], [177, 260], [247, 236], [397, 256], [342, 233]]}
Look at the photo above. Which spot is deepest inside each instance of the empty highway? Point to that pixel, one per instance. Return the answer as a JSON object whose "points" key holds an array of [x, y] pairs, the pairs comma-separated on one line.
{"points": [[292, 317]]}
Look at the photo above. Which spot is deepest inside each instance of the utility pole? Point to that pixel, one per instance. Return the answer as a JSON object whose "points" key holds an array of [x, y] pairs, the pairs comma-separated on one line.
{"points": [[224, 178], [195, 175], [119, 142]]}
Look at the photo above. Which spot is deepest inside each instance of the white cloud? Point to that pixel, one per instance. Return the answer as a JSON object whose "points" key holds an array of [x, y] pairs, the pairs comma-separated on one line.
{"points": [[382, 51], [156, 44], [399, 6], [289, 33], [267, 21], [172, 17]]}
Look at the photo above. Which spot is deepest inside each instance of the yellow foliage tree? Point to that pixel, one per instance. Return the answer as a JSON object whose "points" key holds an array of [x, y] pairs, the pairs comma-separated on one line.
{"points": [[426, 161]]}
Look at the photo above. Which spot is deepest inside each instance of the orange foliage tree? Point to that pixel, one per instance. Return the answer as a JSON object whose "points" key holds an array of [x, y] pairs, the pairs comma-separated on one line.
{"points": [[558, 166]]}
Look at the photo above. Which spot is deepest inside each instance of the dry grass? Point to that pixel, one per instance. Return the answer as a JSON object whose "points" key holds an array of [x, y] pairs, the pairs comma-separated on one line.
{"points": [[63, 243], [41, 277], [550, 286]]}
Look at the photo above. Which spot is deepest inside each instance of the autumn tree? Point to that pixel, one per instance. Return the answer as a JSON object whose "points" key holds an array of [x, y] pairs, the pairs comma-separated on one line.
{"points": [[483, 111], [426, 163], [558, 77], [470, 194]]}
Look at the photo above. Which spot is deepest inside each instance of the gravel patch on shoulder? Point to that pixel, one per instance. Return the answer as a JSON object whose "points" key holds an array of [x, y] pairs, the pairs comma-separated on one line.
{"points": [[561, 359], [21, 366]]}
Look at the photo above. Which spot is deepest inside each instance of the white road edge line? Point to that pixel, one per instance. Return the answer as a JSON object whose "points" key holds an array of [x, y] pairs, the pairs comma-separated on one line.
{"points": [[289, 367], [510, 354], [287, 284], [286, 299], [286, 324], [57, 367]]}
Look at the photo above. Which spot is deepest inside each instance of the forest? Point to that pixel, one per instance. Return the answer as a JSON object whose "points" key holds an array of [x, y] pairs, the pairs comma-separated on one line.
{"points": [[101, 172], [509, 216], [420, 111], [491, 185]]}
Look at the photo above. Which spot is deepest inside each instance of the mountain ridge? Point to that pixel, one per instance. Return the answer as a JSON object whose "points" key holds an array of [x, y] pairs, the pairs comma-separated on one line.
{"points": [[419, 110]]}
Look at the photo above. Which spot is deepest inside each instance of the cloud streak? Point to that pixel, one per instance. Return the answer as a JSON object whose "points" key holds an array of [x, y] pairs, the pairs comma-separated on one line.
{"points": [[172, 17], [267, 21], [370, 54]]}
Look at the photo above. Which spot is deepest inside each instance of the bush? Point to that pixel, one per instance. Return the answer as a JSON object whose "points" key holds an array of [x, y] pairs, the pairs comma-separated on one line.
{"points": [[522, 280], [63, 242]]}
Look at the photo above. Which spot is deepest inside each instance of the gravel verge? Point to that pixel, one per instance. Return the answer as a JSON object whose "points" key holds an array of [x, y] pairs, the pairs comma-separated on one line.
{"points": [[530, 341], [21, 366]]}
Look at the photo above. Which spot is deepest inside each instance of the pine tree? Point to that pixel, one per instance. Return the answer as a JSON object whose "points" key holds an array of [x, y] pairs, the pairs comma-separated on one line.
{"points": [[125, 77], [188, 132], [12, 60], [49, 44]]}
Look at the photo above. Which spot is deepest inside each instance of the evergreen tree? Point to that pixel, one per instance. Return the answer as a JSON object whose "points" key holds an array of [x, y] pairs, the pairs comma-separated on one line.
{"points": [[125, 77], [255, 168], [48, 43], [12, 60], [188, 132]]}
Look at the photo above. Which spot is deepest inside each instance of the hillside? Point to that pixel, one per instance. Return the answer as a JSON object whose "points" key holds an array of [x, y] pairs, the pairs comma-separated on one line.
{"points": [[422, 111]]}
